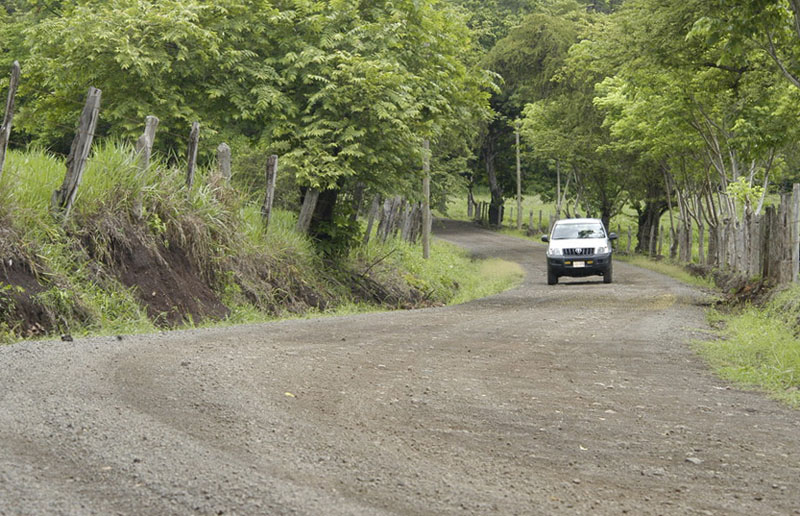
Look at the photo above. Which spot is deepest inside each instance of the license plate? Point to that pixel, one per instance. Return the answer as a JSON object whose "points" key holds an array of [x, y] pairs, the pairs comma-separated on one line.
{"points": [[579, 264]]}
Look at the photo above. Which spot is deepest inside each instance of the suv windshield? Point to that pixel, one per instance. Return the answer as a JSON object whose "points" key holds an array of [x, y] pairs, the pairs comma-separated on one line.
{"points": [[572, 231]]}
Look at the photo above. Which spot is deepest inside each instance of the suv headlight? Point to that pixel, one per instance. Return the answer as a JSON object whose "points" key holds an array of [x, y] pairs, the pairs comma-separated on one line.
{"points": [[555, 251], [601, 250]]}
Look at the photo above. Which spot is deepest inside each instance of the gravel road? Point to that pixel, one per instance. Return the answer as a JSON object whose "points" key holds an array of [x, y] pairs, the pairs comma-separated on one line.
{"points": [[580, 398]]}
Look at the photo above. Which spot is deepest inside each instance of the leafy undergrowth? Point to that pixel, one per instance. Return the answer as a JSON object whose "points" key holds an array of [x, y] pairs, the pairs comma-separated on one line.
{"points": [[194, 257]]}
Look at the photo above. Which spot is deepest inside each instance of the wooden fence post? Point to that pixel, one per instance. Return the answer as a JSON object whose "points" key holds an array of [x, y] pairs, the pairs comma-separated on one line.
{"points": [[373, 213], [269, 197], [224, 166], [144, 145], [416, 222], [5, 129], [191, 154], [394, 219], [795, 232], [358, 200], [787, 240], [385, 211], [307, 210], [768, 247], [144, 151], [63, 198], [405, 232], [426, 199], [519, 182]]}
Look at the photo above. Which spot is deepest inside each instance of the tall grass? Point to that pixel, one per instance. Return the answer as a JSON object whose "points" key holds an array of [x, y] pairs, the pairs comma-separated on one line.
{"points": [[760, 348], [449, 276], [253, 269]]}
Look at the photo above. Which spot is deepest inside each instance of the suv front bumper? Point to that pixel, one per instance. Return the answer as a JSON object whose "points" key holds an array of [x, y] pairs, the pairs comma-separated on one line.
{"points": [[578, 266]]}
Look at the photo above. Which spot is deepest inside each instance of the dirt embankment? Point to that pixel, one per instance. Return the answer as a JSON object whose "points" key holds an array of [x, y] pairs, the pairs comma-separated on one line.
{"points": [[176, 281]]}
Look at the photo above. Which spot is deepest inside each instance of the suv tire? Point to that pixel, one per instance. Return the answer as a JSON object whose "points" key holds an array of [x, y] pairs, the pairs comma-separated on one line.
{"points": [[607, 275], [552, 278]]}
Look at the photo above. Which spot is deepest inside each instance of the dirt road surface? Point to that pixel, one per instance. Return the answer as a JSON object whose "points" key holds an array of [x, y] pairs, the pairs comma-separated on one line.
{"points": [[581, 398]]}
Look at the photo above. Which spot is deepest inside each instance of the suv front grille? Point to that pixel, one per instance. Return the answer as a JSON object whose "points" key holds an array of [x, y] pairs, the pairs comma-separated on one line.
{"points": [[578, 251]]}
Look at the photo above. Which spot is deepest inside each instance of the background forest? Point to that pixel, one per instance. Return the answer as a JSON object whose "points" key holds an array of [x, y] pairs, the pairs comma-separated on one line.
{"points": [[666, 107], [655, 105]]}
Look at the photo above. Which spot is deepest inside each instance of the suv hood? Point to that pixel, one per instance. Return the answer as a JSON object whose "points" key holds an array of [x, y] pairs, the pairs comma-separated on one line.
{"points": [[579, 242]]}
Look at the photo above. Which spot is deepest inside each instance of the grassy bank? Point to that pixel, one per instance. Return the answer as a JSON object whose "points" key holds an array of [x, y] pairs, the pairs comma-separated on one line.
{"points": [[195, 257], [759, 348]]}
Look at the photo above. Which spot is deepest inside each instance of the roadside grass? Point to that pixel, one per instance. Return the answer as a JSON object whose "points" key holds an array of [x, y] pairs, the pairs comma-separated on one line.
{"points": [[667, 268], [221, 231], [449, 276], [757, 349]]}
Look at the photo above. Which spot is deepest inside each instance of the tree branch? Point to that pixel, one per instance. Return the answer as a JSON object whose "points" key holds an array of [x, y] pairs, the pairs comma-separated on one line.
{"points": [[774, 55]]}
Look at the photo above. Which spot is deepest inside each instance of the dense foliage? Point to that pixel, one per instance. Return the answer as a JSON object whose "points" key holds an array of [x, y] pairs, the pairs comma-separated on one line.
{"points": [[659, 105], [345, 92]]}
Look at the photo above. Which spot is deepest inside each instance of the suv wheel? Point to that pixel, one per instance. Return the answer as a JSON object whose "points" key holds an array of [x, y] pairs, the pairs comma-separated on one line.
{"points": [[607, 275], [552, 278]]}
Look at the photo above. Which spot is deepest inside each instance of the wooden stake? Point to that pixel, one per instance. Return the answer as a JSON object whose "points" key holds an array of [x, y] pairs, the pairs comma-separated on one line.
{"points": [[224, 162], [269, 197], [5, 129], [373, 214], [426, 199], [144, 150], [191, 154], [307, 210], [795, 232], [63, 198], [519, 184]]}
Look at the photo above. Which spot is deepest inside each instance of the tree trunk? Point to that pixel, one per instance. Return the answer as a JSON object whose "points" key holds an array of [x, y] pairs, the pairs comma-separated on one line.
{"points": [[321, 227], [648, 220], [496, 205]]}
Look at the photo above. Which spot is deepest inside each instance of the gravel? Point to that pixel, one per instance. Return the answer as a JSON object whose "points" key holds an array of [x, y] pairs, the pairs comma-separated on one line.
{"points": [[579, 398]]}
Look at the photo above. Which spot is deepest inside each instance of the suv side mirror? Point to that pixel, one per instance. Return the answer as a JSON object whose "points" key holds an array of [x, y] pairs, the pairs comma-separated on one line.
{"points": [[612, 236], [545, 238]]}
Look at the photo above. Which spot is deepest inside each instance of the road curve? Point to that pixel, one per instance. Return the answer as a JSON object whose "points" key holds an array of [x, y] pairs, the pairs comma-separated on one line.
{"points": [[580, 398]]}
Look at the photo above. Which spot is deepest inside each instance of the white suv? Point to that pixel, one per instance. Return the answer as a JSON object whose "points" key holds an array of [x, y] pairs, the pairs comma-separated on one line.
{"points": [[579, 247]]}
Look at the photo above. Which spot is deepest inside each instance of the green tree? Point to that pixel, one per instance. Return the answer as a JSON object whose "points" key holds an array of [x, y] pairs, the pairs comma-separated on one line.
{"points": [[527, 60], [699, 118], [344, 91], [773, 25]]}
